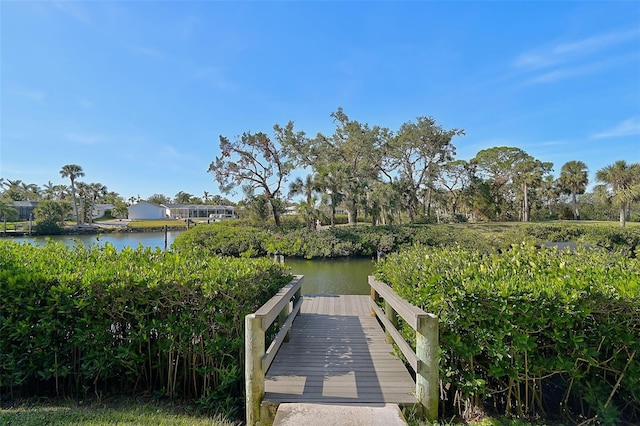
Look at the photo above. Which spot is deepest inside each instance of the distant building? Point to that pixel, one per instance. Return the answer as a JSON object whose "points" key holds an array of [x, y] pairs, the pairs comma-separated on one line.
{"points": [[25, 209], [145, 210], [99, 210], [203, 211]]}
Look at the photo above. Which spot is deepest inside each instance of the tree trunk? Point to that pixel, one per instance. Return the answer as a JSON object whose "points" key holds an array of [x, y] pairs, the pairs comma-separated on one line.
{"points": [[75, 202], [623, 215], [525, 205], [352, 215], [576, 214]]}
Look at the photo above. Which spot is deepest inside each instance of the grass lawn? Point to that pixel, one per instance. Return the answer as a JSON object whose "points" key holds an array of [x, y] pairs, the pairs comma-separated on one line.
{"points": [[125, 412], [130, 412]]}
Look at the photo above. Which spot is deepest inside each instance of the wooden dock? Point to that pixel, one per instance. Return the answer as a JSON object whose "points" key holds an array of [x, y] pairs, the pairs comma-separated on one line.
{"points": [[337, 353]]}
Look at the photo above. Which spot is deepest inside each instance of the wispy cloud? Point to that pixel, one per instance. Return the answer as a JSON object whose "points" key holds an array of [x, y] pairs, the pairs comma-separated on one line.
{"points": [[630, 127], [85, 139], [146, 51], [33, 95], [579, 57], [214, 76], [75, 9]]}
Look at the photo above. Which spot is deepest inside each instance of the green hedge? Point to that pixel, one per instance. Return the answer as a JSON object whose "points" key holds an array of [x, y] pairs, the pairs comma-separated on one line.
{"points": [[231, 239], [78, 320], [530, 331]]}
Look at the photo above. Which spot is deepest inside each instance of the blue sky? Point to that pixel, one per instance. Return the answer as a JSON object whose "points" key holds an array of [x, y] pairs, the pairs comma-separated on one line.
{"points": [[137, 93]]}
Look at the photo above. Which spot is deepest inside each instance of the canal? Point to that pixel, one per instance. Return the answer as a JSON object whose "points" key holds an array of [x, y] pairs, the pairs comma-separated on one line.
{"points": [[325, 276]]}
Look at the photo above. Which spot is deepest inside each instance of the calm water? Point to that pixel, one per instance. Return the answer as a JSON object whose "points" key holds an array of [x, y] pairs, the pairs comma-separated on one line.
{"points": [[333, 276], [118, 239]]}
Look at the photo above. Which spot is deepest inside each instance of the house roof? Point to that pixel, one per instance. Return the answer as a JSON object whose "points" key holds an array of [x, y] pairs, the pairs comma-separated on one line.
{"points": [[25, 203], [196, 206], [147, 202]]}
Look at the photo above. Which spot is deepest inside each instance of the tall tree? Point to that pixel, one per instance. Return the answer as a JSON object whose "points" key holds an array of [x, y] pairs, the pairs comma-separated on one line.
{"points": [[306, 187], [257, 161], [510, 172], [528, 173], [7, 211], [95, 190], [329, 182], [183, 197], [155, 198], [73, 171], [416, 153], [13, 189], [621, 183], [456, 176], [573, 180]]}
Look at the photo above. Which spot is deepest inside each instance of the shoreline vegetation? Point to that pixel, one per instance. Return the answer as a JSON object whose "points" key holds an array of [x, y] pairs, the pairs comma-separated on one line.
{"points": [[543, 335]]}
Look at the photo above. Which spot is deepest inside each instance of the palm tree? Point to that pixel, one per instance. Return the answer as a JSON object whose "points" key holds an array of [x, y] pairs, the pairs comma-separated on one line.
{"points": [[183, 197], [621, 183], [13, 189], [7, 211], [49, 191], [573, 180], [73, 171], [95, 191], [307, 188]]}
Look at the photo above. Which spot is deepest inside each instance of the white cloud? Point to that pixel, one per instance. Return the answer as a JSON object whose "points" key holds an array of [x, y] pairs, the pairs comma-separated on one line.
{"points": [[630, 127], [85, 139], [565, 52], [593, 44], [580, 57]]}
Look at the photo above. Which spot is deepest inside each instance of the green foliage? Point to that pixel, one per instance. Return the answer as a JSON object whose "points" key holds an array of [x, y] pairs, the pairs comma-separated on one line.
{"points": [[531, 331], [224, 238], [611, 237], [234, 238], [75, 320]]}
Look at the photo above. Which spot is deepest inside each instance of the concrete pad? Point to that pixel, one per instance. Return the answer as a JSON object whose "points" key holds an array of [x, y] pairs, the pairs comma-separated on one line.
{"points": [[338, 415]]}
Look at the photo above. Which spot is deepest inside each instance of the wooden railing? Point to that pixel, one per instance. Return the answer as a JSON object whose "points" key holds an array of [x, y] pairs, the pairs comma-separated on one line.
{"points": [[424, 360], [285, 305]]}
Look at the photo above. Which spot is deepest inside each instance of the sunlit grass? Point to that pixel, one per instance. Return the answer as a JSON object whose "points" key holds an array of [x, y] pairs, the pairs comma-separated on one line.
{"points": [[172, 223], [121, 413]]}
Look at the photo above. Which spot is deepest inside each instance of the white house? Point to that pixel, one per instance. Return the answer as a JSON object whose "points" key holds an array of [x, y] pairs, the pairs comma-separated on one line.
{"points": [[184, 211], [100, 210], [144, 210]]}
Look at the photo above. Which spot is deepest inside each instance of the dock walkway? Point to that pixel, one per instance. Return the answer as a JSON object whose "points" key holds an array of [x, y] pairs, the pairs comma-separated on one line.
{"points": [[337, 353]]}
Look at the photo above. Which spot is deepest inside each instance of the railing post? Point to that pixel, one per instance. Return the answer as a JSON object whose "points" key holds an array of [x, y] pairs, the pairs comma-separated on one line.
{"points": [[282, 317], [254, 376], [392, 316], [427, 374], [374, 298]]}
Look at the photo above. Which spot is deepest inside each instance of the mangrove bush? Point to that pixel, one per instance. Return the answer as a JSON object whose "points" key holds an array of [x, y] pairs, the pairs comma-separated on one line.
{"points": [[77, 321], [530, 332]]}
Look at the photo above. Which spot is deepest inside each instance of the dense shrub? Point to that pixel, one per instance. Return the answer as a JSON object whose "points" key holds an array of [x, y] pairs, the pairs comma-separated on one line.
{"points": [[236, 239], [224, 238], [531, 331], [611, 237], [75, 320], [231, 239]]}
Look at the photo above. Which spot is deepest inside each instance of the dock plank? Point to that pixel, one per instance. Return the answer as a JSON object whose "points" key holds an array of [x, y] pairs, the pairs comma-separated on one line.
{"points": [[337, 354]]}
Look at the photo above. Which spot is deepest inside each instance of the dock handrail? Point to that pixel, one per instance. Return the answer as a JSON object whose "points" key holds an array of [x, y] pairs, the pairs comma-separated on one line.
{"points": [[424, 360], [285, 305]]}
